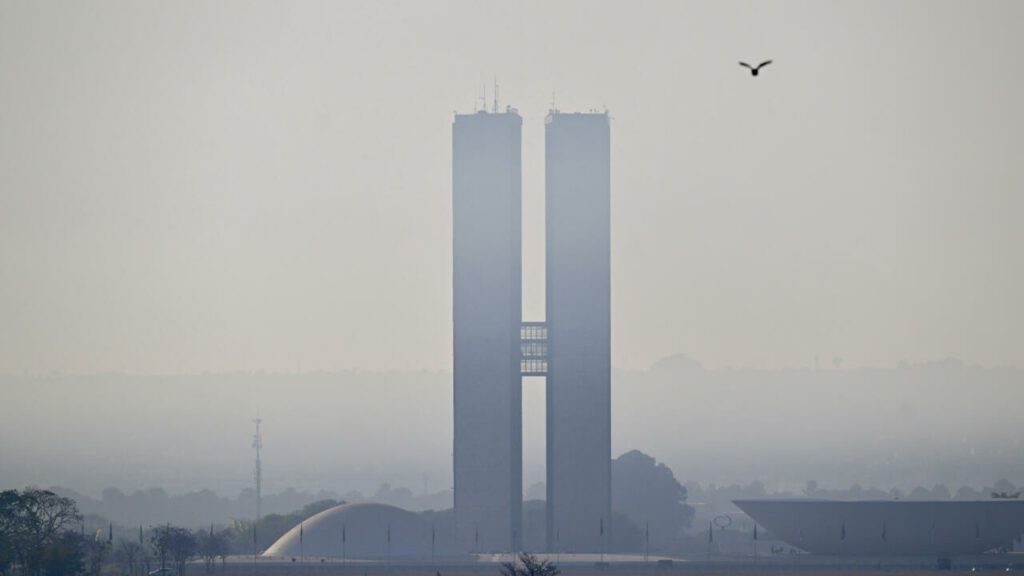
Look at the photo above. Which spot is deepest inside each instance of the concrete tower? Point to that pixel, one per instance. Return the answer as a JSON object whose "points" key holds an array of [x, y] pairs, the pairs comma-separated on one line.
{"points": [[578, 198], [487, 284]]}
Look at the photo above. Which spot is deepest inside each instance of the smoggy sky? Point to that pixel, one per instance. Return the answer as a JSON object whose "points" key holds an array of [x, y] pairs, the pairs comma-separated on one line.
{"points": [[218, 186]]}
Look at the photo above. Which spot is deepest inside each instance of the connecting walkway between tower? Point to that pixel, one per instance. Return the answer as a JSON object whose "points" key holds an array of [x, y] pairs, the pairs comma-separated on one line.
{"points": [[533, 346]]}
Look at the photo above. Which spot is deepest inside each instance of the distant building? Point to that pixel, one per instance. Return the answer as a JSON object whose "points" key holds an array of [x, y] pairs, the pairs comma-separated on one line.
{"points": [[487, 285], [578, 212], [357, 531], [494, 348], [943, 528]]}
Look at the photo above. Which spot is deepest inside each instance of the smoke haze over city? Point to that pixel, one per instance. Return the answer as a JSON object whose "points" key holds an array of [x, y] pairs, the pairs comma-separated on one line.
{"points": [[202, 187], [793, 281]]}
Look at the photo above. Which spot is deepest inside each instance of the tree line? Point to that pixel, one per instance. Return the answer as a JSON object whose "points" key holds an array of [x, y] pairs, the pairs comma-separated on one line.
{"points": [[43, 534]]}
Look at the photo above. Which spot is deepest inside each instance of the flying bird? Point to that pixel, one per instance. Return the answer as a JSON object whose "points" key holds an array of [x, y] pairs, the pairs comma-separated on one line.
{"points": [[755, 69]]}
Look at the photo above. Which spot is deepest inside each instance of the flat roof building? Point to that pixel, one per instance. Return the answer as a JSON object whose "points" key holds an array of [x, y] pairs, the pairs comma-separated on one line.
{"points": [[940, 528], [578, 237], [487, 309], [494, 348]]}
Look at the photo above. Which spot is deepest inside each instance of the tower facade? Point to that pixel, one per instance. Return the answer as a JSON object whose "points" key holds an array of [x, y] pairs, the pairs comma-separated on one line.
{"points": [[578, 213], [487, 310]]}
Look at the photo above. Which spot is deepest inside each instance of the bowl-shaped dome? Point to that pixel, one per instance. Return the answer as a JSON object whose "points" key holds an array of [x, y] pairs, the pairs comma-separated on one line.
{"points": [[369, 531]]}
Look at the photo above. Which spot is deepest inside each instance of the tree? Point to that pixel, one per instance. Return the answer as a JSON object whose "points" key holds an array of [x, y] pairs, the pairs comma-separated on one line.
{"points": [[318, 506], [33, 524], [95, 551], [967, 493], [7, 551], [624, 534], [130, 553], [211, 545], [919, 493], [529, 565], [65, 555], [159, 541], [648, 493], [182, 548], [175, 544]]}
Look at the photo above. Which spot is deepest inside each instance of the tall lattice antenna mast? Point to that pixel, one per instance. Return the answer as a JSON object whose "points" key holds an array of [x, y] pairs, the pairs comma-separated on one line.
{"points": [[257, 443]]}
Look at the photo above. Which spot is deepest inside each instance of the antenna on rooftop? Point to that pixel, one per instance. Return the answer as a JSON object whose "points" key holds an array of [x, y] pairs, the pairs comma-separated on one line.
{"points": [[495, 94]]}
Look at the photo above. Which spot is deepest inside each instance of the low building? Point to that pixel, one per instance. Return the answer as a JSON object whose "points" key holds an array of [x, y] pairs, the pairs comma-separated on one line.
{"points": [[891, 527]]}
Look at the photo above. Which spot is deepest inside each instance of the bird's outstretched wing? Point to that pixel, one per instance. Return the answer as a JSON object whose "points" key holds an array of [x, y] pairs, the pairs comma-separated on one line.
{"points": [[765, 63], [745, 65]]}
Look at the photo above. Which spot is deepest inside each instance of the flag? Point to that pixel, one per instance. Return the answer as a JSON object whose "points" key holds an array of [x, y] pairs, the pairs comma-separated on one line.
{"points": [[211, 529], [842, 531], [140, 534], [343, 538], [755, 531], [110, 533], [711, 533], [884, 534], [433, 535], [301, 533]]}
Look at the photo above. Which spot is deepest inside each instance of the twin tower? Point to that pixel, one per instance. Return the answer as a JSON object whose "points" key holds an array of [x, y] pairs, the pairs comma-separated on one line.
{"points": [[494, 348]]}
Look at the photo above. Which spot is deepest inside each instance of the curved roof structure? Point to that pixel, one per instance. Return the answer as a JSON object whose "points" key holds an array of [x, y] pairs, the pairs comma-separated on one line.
{"points": [[371, 531], [942, 528]]}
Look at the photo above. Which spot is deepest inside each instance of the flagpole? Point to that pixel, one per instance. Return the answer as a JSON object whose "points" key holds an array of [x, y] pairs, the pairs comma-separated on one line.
{"points": [[647, 541], [755, 539], [141, 544], [711, 536]]}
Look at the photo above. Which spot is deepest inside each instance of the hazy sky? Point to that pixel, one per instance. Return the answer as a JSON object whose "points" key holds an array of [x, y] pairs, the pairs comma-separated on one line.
{"points": [[915, 425], [214, 186]]}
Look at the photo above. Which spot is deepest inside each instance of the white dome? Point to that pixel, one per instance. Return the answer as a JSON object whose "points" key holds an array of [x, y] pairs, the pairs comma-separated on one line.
{"points": [[369, 531]]}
